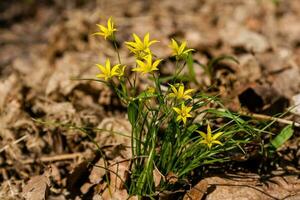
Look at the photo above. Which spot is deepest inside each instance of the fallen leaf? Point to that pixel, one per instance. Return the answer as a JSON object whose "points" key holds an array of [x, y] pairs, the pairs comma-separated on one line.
{"points": [[37, 188], [197, 192], [97, 172]]}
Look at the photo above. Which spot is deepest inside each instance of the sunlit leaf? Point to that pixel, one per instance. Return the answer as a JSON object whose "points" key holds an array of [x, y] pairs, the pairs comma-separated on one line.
{"points": [[283, 136]]}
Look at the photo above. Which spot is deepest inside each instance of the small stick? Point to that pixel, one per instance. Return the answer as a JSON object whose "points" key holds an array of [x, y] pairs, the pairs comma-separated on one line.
{"points": [[295, 113], [266, 117], [14, 143], [54, 158]]}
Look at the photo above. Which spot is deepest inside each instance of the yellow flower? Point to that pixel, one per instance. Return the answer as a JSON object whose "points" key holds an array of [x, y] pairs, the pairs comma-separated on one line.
{"points": [[183, 113], [107, 32], [208, 139], [180, 93], [147, 66], [121, 70], [140, 48], [107, 71], [151, 90], [180, 52]]}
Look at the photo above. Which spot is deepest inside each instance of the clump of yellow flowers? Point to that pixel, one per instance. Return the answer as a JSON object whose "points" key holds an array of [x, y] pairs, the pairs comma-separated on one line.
{"points": [[163, 129]]}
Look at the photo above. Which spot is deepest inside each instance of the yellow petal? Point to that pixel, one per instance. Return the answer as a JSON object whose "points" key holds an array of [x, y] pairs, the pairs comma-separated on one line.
{"points": [[156, 63], [174, 45], [179, 117], [216, 142], [136, 38], [102, 28], [173, 89], [188, 109], [177, 110], [137, 69], [187, 96], [152, 42], [188, 91], [215, 136], [182, 106], [131, 44], [146, 39], [114, 70], [203, 142], [208, 132], [180, 91], [187, 51], [172, 95], [182, 47], [184, 120], [102, 68], [100, 76], [140, 63], [203, 135]]}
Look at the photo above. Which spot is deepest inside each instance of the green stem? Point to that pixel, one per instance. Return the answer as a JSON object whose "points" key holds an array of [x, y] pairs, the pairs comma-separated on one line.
{"points": [[117, 50]]}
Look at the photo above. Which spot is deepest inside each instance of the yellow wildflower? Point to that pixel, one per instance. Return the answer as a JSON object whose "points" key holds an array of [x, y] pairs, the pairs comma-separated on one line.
{"points": [[147, 66], [208, 139], [180, 52], [140, 48], [121, 70], [107, 71], [151, 90], [107, 32], [180, 93], [183, 113]]}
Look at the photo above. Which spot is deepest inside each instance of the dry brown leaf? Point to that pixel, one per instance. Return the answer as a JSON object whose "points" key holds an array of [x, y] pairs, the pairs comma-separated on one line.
{"points": [[37, 188], [120, 175], [197, 192], [157, 176], [97, 172]]}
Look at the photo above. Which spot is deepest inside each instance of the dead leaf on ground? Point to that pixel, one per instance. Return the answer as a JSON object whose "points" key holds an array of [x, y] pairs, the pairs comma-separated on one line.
{"points": [[37, 188], [97, 172], [197, 192]]}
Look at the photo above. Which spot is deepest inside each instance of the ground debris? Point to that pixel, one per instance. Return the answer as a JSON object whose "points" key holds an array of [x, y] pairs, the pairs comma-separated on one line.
{"points": [[37, 188]]}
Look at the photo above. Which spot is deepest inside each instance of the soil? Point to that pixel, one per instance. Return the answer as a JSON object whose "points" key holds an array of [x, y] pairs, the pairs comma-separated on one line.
{"points": [[45, 44]]}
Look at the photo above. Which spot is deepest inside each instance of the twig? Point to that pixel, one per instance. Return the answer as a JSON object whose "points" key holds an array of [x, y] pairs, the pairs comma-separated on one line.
{"points": [[266, 117], [53, 158], [294, 113], [13, 143]]}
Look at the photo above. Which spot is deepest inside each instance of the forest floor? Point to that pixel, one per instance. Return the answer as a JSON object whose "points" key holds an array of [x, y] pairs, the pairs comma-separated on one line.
{"points": [[46, 43]]}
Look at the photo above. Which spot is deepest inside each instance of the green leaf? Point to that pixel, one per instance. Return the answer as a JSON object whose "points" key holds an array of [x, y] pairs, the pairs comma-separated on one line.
{"points": [[192, 128], [146, 95], [190, 65], [226, 114], [133, 110], [283, 136]]}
